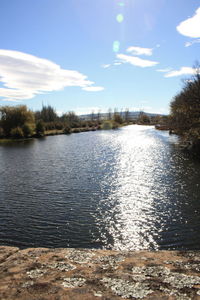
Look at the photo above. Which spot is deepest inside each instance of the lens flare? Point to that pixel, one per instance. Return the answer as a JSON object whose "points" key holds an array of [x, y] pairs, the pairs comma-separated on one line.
{"points": [[120, 18], [116, 46]]}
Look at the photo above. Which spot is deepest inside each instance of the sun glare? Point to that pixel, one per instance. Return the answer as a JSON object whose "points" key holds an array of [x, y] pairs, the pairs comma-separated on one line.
{"points": [[116, 46], [120, 18]]}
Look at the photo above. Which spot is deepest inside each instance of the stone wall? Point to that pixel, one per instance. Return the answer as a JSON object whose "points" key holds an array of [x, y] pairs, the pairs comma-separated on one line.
{"points": [[68, 274]]}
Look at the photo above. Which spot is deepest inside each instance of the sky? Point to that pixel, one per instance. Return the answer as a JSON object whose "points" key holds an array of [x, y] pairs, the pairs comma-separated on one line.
{"points": [[92, 55]]}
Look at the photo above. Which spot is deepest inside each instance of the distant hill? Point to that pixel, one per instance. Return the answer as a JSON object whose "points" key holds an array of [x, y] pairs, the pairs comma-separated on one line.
{"points": [[133, 115]]}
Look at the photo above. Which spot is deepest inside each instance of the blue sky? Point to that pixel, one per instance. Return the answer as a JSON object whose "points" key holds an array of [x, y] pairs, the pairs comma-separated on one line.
{"points": [[86, 55]]}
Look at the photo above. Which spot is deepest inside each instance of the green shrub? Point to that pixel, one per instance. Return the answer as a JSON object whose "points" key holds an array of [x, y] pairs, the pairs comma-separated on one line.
{"points": [[2, 134], [13, 117], [40, 128], [107, 125], [76, 130], [115, 125], [117, 118], [17, 133], [67, 130], [27, 130]]}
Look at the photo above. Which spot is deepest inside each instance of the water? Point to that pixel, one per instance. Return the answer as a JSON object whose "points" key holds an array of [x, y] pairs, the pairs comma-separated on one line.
{"points": [[128, 189]]}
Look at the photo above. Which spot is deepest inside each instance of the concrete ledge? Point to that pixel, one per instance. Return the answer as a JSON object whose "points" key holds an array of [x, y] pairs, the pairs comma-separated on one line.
{"points": [[68, 274]]}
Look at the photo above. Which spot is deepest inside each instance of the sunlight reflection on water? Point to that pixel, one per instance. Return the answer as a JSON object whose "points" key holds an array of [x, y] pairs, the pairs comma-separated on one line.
{"points": [[131, 219]]}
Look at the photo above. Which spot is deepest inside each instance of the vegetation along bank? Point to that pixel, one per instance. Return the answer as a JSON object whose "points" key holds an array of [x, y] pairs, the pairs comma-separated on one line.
{"points": [[18, 122]]}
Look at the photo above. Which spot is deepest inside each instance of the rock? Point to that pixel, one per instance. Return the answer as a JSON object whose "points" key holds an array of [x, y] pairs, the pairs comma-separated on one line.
{"points": [[81, 274]]}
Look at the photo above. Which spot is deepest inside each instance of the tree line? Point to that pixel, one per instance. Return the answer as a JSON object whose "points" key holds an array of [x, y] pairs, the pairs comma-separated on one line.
{"points": [[184, 116], [21, 122]]}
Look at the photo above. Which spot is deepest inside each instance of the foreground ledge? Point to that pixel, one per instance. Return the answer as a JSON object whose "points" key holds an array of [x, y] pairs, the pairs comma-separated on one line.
{"points": [[68, 274]]}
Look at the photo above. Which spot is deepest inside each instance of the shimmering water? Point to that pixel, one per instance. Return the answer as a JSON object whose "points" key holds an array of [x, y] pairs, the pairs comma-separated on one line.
{"points": [[130, 188]]}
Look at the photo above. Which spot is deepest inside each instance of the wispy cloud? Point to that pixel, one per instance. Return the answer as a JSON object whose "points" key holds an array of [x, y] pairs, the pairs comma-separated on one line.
{"points": [[117, 63], [105, 66], [93, 88], [188, 44], [164, 70], [140, 51], [191, 26], [133, 59], [136, 61], [24, 76], [182, 71]]}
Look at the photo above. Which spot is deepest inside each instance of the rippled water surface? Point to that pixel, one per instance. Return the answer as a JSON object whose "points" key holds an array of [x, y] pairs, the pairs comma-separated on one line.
{"points": [[130, 188]]}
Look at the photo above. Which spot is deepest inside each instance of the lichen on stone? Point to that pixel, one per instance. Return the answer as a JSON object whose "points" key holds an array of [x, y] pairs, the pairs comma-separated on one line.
{"points": [[182, 297], [176, 280], [61, 266], [99, 274], [36, 273], [79, 256], [127, 289], [73, 282], [98, 294], [198, 292], [195, 255], [27, 284], [180, 281], [109, 261], [191, 265], [154, 271], [143, 258], [170, 262], [176, 293]]}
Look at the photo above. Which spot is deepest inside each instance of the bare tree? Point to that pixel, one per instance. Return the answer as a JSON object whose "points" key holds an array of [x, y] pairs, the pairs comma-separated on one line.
{"points": [[92, 116], [126, 115], [99, 115], [109, 114]]}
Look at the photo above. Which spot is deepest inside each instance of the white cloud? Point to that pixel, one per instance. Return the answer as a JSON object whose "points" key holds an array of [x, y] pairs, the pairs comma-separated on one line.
{"points": [[140, 51], [106, 66], [182, 71], [164, 70], [191, 26], [188, 44], [136, 61], [24, 76], [93, 88], [117, 63]]}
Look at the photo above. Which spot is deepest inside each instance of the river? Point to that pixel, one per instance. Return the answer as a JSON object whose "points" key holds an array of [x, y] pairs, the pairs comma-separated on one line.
{"points": [[126, 189]]}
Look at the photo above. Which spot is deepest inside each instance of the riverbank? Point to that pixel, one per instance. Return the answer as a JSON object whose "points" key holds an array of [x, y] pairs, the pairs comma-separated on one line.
{"points": [[53, 274], [47, 133], [59, 132]]}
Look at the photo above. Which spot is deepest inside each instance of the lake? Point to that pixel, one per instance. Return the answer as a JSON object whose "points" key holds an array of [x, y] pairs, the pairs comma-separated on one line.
{"points": [[125, 189]]}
